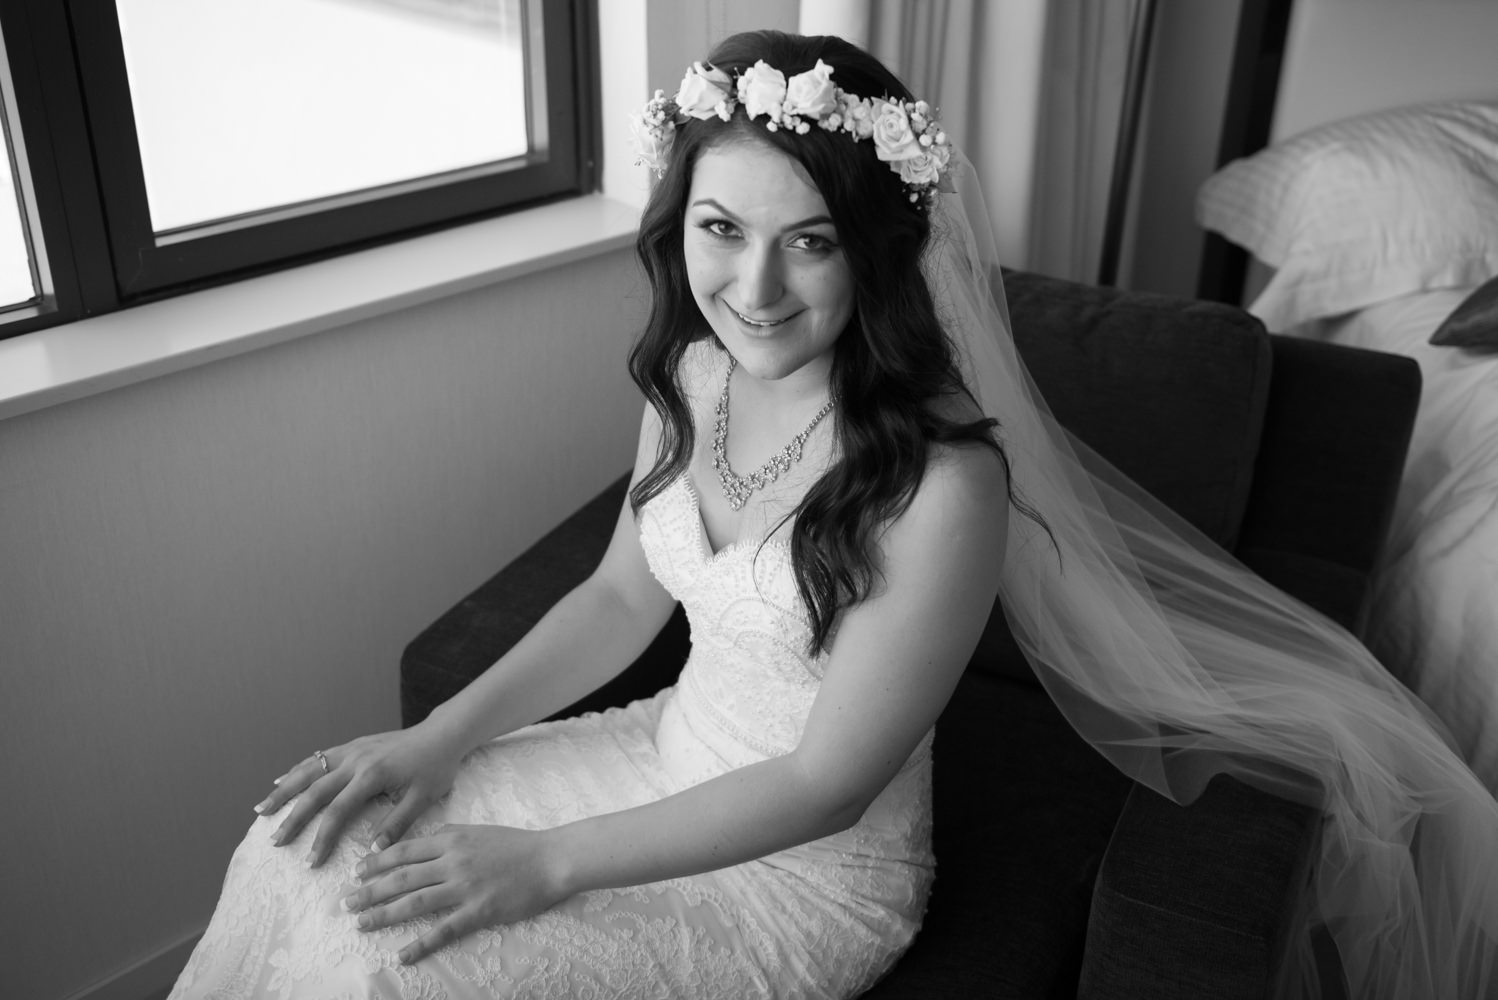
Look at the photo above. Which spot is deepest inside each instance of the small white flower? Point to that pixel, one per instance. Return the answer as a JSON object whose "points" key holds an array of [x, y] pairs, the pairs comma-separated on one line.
{"points": [[652, 142]]}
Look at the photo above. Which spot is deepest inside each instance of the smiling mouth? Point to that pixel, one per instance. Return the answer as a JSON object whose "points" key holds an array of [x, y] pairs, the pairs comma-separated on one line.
{"points": [[756, 322]]}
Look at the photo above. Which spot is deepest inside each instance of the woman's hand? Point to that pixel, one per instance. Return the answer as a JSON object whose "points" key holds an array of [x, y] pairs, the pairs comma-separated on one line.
{"points": [[487, 875], [415, 767]]}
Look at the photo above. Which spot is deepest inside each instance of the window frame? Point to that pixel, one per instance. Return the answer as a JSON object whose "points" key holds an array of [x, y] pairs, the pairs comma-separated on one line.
{"points": [[87, 184]]}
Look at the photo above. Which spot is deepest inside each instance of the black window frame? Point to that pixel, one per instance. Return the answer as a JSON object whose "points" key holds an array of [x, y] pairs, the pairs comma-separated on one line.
{"points": [[85, 179]]}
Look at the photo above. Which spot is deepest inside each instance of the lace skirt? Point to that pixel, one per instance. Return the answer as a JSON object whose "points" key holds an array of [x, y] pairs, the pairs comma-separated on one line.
{"points": [[790, 925]]}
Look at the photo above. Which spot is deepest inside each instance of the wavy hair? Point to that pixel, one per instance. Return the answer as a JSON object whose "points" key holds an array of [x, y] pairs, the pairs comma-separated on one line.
{"points": [[892, 365]]}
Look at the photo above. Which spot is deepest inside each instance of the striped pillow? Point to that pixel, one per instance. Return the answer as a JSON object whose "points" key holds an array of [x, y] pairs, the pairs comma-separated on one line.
{"points": [[1365, 209]]}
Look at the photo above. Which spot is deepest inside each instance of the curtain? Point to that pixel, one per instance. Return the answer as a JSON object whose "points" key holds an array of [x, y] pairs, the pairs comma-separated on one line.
{"points": [[1083, 81], [1031, 89]]}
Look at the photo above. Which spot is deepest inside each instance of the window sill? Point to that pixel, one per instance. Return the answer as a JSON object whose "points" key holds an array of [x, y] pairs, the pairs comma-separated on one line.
{"points": [[95, 355]]}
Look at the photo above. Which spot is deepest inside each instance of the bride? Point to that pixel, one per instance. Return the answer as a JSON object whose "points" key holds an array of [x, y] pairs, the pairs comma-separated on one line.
{"points": [[841, 464]]}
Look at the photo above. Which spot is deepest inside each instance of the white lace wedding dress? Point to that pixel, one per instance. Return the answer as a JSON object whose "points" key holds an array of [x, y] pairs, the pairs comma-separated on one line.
{"points": [[822, 920]]}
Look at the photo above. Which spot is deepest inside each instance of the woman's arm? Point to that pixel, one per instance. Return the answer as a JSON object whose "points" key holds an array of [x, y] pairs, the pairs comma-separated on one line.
{"points": [[589, 636], [897, 657], [586, 638], [896, 660]]}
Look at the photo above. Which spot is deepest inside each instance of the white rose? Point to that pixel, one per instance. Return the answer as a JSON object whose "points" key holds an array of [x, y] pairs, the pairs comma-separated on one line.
{"points": [[811, 93], [926, 168], [762, 89], [919, 170], [702, 90], [893, 139]]}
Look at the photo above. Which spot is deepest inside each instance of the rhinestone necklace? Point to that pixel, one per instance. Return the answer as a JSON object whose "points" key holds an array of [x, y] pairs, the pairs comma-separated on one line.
{"points": [[739, 488]]}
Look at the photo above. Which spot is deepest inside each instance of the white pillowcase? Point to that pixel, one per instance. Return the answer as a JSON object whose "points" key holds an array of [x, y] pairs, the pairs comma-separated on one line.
{"points": [[1365, 209]]}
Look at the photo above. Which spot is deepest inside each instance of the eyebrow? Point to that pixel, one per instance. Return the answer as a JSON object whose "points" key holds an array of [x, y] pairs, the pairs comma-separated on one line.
{"points": [[815, 220]]}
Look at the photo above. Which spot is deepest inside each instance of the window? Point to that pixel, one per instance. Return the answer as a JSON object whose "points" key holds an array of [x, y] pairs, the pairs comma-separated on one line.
{"points": [[161, 145]]}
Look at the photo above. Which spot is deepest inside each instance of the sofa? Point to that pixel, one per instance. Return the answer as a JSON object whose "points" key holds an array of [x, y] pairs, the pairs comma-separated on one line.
{"points": [[1057, 876]]}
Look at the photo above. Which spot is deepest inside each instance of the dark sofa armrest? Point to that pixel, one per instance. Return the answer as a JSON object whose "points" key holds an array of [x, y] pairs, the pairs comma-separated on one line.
{"points": [[1194, 901], [475, 632], [1336, 431]]}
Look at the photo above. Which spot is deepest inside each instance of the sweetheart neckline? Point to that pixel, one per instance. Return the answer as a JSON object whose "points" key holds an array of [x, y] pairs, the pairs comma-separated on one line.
{"points": [[705, 544]]}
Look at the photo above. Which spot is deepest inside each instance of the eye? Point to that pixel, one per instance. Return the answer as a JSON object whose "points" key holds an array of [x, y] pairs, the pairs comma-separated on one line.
{"points": [[813, 243], [720, 228]]}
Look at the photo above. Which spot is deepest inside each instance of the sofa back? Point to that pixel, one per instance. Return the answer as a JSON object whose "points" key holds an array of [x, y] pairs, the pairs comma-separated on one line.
{"points": [[1171, 391]]}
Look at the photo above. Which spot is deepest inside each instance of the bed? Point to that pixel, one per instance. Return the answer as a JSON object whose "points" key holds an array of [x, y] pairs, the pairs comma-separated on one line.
{"points": [[1379, 230]]}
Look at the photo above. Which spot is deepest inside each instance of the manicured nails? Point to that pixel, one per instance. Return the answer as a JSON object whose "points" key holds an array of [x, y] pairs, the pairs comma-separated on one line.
{"points": [[380, 843], [260, 808]]}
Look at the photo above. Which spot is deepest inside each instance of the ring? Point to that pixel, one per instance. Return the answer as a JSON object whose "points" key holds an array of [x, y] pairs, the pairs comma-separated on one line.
{"points": [[322, 759]]}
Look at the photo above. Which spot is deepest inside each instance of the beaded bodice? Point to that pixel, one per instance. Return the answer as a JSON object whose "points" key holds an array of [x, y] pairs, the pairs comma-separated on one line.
{"points": [[749, 682]]}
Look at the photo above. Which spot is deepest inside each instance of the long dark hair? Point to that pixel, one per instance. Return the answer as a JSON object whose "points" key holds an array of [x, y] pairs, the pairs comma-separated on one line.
{"points": [[891, 367]]}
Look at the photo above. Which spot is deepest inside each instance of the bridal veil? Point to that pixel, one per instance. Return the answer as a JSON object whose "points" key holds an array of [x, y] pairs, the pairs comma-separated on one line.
{"points": [[1177, 663]]}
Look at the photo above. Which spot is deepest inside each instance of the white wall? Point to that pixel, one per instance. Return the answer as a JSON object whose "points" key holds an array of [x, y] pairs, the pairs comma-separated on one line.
{"points": [[210, 574], [1346, 57]]}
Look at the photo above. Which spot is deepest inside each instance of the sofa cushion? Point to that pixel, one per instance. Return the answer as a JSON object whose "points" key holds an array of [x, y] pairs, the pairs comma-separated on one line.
{"points": [[1192, 376], [1192, 901], [1021, 824]]}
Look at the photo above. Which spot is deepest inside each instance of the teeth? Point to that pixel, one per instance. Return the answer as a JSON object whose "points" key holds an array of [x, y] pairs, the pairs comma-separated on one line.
{"points": [[755, 322]]}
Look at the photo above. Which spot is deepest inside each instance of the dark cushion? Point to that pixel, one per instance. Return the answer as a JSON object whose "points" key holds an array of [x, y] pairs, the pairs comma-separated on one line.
{"points": [[1193, 378], [1023, 812], [1230, 895], [1319, 536], [1474, 323]]}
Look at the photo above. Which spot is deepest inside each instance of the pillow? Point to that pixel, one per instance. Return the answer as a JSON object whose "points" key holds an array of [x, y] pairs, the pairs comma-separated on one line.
{"points": [[1474, 323], [1365, 209]]}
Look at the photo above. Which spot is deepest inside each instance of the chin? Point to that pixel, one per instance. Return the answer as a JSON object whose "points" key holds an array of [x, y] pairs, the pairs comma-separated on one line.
{"points": [[773, 353]]}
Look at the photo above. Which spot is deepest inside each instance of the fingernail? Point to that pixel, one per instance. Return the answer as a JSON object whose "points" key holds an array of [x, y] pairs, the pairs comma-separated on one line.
{"points": [[361, 869], [276, 838], [260, 807], [364, 921], [405, 957], [275, 781], [381, 842], [348, 903]]}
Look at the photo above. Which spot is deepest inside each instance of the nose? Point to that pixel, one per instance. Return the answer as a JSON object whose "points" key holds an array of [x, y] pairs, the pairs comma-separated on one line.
{"points": [[760, 283]]}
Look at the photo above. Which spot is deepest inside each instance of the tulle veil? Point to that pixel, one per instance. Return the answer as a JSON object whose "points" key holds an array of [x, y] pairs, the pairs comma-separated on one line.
{"points": [[1177, 663]]}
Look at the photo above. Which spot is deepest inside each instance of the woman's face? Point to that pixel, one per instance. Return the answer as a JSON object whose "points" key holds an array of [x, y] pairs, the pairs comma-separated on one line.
{"points": [[764, 262]]}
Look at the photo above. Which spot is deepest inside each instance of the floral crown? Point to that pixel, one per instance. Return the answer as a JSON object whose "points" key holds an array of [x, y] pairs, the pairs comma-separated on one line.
{"points": [[906, 134]]}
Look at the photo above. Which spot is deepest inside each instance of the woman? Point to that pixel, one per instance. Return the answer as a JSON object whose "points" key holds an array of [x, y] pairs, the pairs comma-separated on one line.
{"points": [[763, 827]]}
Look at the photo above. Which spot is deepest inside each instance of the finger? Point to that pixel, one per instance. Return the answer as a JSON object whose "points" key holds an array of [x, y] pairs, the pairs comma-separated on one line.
{"points": [[406, 852], [289, 785], [394, 885], [442, 934], [335, 817], [414, 904], [316, 795], [399, 818]]}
